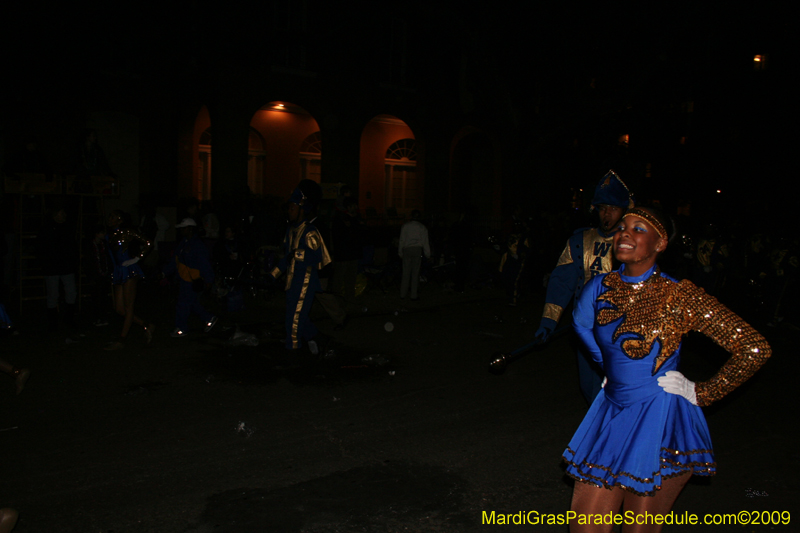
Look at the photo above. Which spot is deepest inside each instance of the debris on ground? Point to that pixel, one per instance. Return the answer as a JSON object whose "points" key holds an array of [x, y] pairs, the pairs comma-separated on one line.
{"points": [[244, 430], [241, 338]]}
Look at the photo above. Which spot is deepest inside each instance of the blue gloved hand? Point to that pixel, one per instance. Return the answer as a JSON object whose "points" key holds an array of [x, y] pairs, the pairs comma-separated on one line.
{"points": [[674, 382], [543, 333]]}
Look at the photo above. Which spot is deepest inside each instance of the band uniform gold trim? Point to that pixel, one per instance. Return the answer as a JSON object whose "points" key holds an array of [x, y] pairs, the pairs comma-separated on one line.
{"points": [[299, 308], [314, 241], [590, 238], [566, 257], [294, 241], [552, 311]]}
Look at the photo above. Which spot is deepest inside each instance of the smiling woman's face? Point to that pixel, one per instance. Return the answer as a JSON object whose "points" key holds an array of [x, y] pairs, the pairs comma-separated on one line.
{"points": [[637, 244]]}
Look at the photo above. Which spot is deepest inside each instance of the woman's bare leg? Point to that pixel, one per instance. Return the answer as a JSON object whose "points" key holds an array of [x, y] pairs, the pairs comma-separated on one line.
{"points": [[590, 499], [660, 504], [129, 298], [119, 301]]}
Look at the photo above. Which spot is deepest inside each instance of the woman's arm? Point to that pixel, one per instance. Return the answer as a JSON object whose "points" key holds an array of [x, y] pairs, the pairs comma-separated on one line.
{"points": [[583, 318], [749, 350], [145, 245]]}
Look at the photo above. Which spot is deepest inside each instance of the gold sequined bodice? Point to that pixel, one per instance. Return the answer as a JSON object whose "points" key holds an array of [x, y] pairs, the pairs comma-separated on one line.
{"points": [[659, 309]]}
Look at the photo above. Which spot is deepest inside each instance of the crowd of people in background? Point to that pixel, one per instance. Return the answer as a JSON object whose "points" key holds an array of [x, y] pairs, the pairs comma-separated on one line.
{"points": [[750, 270]]}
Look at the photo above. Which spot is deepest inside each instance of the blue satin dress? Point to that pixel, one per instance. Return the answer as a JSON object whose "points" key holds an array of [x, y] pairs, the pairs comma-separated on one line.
{"points": [[635, 434]]}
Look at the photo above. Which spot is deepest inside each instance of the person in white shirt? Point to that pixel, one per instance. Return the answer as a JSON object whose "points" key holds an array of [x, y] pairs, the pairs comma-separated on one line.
{"points": [[413, 243]]}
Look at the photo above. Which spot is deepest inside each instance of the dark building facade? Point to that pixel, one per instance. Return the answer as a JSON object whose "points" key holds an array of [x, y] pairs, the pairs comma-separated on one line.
{"points": [[429, 107]]}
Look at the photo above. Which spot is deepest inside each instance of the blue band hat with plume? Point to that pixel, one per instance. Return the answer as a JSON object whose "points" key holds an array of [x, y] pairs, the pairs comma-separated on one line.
{"points": [[612, 191], [307, 195], [298, 197]]}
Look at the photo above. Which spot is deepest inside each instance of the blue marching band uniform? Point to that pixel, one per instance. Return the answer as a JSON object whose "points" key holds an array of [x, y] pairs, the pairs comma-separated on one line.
{"points": [[305, 254], [191, 264], [636, 434], [587, 254]]}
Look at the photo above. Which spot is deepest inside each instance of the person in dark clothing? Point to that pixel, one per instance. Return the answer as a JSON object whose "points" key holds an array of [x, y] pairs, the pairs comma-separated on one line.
{"points": [[347, 243], [58, 253], [99, 275], [330, 301], [193, 267], [230, 255], [512, 265], [587, 254], [461, 243], [192, 210]]}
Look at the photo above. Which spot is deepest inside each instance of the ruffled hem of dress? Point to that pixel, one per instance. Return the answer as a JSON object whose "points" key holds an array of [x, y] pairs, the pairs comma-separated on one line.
{"points": [[583, 472], [122, 274]]}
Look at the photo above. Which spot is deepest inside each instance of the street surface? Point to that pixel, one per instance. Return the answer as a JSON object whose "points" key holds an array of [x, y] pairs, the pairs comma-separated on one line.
{"points": [[403, 430]]}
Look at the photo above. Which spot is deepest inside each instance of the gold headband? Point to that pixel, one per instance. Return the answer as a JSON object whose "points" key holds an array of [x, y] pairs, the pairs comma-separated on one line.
{"points": [[653, 221]]}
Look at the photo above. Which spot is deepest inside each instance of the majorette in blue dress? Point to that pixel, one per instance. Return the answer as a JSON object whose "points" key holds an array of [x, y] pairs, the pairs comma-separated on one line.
{"points": [[119, 241], [636, 434]]}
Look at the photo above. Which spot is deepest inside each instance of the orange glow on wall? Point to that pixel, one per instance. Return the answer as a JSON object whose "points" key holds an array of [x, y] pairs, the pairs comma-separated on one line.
{"points": [[201, 171], [283, 127], [378, 135]]}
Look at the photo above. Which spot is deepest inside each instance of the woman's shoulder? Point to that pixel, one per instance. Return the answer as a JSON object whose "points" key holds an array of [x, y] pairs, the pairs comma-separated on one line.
{"points": [[670, 278], [683, 284]]}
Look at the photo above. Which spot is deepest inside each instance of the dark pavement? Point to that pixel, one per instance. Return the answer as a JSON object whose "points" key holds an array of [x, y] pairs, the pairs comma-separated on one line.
{"points": [[189, 435]]}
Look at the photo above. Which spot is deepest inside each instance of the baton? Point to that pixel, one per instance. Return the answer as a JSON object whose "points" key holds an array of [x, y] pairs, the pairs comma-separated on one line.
{"points": [[499, 361]]}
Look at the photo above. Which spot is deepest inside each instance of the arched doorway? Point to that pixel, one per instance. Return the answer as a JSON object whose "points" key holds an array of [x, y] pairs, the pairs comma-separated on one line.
{"points": [[202, 187], [199, 186], [390, 180], [403, 190], [256, 158], [311, 158], [291, 151]]}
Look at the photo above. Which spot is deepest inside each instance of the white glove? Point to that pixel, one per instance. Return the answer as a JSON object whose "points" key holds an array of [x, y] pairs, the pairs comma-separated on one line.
{"points": [[674, 382], [130, 262], [605, 380]]}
